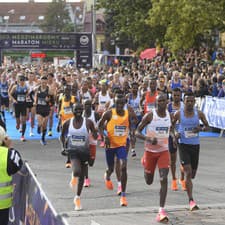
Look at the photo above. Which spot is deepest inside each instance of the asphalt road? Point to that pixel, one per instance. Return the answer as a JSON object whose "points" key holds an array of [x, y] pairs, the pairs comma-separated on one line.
{"points": [[101, 206]]}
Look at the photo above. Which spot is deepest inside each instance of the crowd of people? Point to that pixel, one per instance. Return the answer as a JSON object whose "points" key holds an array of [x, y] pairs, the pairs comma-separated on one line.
{"points": [[153, 100]]}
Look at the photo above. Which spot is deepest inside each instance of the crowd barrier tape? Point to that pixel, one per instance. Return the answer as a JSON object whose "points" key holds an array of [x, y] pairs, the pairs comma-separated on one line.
{"points": [[30, 204], [214, 110]]}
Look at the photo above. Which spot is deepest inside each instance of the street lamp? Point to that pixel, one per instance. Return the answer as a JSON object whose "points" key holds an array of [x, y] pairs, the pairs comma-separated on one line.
{"points": [[93, 31]]}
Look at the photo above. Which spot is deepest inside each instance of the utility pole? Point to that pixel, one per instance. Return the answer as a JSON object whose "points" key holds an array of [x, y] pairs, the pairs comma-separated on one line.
{"points": [[93, 31]]}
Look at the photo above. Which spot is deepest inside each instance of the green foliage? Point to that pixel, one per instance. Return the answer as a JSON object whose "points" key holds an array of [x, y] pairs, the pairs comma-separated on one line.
{"points": [[186, 20], [57, 18], [177, 24], [125, 22]]}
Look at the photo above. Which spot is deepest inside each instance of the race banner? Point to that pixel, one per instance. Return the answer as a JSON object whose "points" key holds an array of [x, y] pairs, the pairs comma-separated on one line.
{"points": [[214, 110], [30, 205]]}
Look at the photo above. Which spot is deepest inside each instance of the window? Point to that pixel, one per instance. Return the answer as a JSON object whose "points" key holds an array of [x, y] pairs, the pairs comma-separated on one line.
{"points": [[22, 17], [41, 17], [6, 17]]}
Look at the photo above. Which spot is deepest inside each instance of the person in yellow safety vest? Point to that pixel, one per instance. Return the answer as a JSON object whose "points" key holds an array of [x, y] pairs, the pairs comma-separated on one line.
{"points": [[10, 163]]}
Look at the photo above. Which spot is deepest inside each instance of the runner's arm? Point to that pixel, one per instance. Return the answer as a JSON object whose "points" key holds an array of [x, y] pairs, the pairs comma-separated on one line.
{"points": [[104, 119], [144, 122], [204, 121], [64, 133], [91, 127]]}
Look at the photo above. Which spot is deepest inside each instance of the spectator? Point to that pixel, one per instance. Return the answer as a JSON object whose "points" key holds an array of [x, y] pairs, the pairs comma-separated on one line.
{"points": [[10, 163], [201, 88], [222, 90]]}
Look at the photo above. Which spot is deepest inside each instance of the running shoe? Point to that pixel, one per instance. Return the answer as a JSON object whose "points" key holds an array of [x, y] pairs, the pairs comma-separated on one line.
{"points": [[108, 183], [162, 216], [193, 205], [68, 164], [119, 190], [133, 153], [87, 182], [174, 186], [73, 183], [50, 133], [183, 184], [63, 152], [22, 139], [77, 204], [102, 144], [17, 127], [123, 201], [43, 142]]}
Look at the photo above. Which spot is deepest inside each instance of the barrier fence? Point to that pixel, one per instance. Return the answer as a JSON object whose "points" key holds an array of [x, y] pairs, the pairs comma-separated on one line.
{"points": [[30, 204], [214, 110]]}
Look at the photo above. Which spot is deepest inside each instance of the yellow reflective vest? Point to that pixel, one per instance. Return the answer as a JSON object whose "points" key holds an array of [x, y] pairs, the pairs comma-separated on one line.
{"points": [[6, 188]]}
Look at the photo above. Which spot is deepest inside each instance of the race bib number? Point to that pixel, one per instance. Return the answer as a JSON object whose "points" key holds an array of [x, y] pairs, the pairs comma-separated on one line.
{"points": [[41, 101], [188, 133], [101, 106], [28, 99], [162, 132], [21, 98], [150, 106], [120, 130], [4, 90], [67, 110], [137, 111], [78, 140]]}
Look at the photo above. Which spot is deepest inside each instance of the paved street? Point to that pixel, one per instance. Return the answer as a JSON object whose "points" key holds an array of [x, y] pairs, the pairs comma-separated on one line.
{"points": [[101, 206]]}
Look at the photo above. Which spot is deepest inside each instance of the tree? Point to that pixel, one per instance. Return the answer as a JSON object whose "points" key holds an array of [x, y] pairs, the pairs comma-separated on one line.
{"points": [[186, 20], [57, 18], [126, 23]]}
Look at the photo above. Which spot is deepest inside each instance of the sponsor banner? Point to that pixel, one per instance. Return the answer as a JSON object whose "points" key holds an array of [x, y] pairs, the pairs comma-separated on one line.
{"points": [[84, 53], [31, 206], [66, 41], [214, 110]]}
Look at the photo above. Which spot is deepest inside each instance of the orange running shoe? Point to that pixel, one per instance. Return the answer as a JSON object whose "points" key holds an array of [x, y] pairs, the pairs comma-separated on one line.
{"points": [[123, 201], [108, 183], [174, 186], [77, 204], [183, 184]]}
